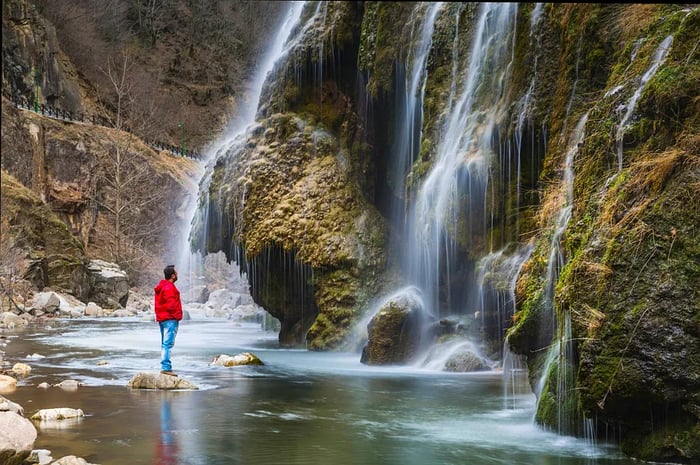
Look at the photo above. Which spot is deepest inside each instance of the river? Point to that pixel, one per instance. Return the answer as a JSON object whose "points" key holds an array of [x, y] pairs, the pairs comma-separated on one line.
{"points": [[301, 407]]}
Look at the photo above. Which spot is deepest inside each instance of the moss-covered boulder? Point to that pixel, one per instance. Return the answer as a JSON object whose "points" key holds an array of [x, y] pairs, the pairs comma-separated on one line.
{"points": [[394, 333]]}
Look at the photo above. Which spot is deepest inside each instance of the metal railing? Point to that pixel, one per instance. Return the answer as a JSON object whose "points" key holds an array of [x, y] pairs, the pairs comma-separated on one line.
{"points": [[95, 120]]}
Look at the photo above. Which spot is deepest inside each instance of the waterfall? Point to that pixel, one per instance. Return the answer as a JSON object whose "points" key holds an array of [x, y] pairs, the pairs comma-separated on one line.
{"points": [[409, 122], [234, 134], [560, 356], [659, 55], [458, 182]]}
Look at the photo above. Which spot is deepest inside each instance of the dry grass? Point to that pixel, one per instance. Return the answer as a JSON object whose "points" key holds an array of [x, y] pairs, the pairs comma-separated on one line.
{"points": [[635, 18], [654, 171]]}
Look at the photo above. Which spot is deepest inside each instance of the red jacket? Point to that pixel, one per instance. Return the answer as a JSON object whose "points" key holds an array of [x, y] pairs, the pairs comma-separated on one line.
{"points": [[168, 305]]}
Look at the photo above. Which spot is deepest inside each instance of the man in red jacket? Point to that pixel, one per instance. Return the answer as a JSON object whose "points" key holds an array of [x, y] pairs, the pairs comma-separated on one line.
{"points": [[168, 315]]}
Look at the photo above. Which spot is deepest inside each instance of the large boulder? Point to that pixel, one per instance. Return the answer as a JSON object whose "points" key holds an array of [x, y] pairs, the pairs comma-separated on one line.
{"points": [[47, 302], [109, 284], [17, 436], [150, 380], [71, 460], [393, 335]]}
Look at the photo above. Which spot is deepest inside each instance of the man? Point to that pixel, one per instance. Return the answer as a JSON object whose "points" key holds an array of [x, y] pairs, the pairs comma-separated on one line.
{"points": [[168, 315]]}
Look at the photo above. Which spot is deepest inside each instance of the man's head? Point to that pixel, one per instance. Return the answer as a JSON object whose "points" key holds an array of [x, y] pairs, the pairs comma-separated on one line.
{"points": [[170, 273]]}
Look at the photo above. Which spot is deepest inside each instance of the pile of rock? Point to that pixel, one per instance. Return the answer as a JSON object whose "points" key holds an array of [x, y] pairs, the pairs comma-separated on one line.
{"points": [[18, 434]]}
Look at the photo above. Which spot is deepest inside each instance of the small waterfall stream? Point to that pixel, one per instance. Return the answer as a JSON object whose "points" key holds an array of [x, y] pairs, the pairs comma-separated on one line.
{"points": [[659, 55], [560, 355]]}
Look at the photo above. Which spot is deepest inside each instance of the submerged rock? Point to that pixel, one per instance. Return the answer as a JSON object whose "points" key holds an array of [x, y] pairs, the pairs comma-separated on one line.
{"points": [[53, 414], [71, 460], [21, 369], [69, 385], [17, 436], [152, 380], [244, 358]]}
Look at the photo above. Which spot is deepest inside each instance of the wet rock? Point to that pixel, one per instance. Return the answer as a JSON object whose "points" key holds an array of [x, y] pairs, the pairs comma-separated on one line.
{"points": [[40, 456], [109, 284], [464, 362], [69, 385], [44, 385], [72, 460], [244, 358], [21, 369], [9, 406], [17, 436], [54, 414], [151, 380], [393, 334], [7, 383]]}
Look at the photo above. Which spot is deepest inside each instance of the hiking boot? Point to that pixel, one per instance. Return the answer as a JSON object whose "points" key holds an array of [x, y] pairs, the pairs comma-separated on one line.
{"points": [[168, 372]]}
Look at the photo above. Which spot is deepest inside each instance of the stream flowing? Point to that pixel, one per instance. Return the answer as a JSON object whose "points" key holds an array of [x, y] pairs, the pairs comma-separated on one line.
{"points": [[300, 407]]}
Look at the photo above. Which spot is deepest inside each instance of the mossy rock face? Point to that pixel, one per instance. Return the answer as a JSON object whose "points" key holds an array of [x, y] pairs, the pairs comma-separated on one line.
{"points": [[314, 242], [630, 279], [52, 255]]}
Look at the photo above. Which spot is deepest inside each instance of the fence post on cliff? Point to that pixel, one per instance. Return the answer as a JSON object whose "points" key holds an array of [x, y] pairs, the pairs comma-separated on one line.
{"points": [[37, 82]]}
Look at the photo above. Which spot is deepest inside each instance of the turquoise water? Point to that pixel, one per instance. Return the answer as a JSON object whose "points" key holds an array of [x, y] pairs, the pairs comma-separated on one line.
{"points": [[299, 408]]}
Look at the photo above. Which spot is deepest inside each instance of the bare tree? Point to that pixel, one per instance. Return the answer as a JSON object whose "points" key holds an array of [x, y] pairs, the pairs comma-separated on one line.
{"points": [[125, 192]]}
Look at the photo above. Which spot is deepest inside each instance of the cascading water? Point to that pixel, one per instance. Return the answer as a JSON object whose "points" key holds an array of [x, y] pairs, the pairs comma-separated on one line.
{"points": [[659, 55], [457, 185], [233, 136], [408, 125], [560, 356]]}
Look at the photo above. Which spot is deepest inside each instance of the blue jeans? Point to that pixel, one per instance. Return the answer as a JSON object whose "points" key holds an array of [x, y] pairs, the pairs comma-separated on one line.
{"points": [[168, 331]]}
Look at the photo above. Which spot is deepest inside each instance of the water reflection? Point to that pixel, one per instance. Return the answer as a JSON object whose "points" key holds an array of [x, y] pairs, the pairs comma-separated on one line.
{"points": [[300, 408], [167, 446]]}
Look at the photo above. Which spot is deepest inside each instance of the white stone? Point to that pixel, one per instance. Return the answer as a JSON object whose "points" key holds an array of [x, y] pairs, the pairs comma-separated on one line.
{"points": [[10, 320], [44, 385], [92, 309], [48, 302], [71, 460], [7, 384], [244, 358], [21, 369], [17, 436], [40, 456], [69, 385], [9, 406], [70, 304], [61, 413]]}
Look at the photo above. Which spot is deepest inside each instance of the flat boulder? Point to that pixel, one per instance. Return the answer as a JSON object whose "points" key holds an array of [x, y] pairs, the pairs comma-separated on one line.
{"points": [[54, 414], [153, 380], [17, 436], [244, 358]]}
